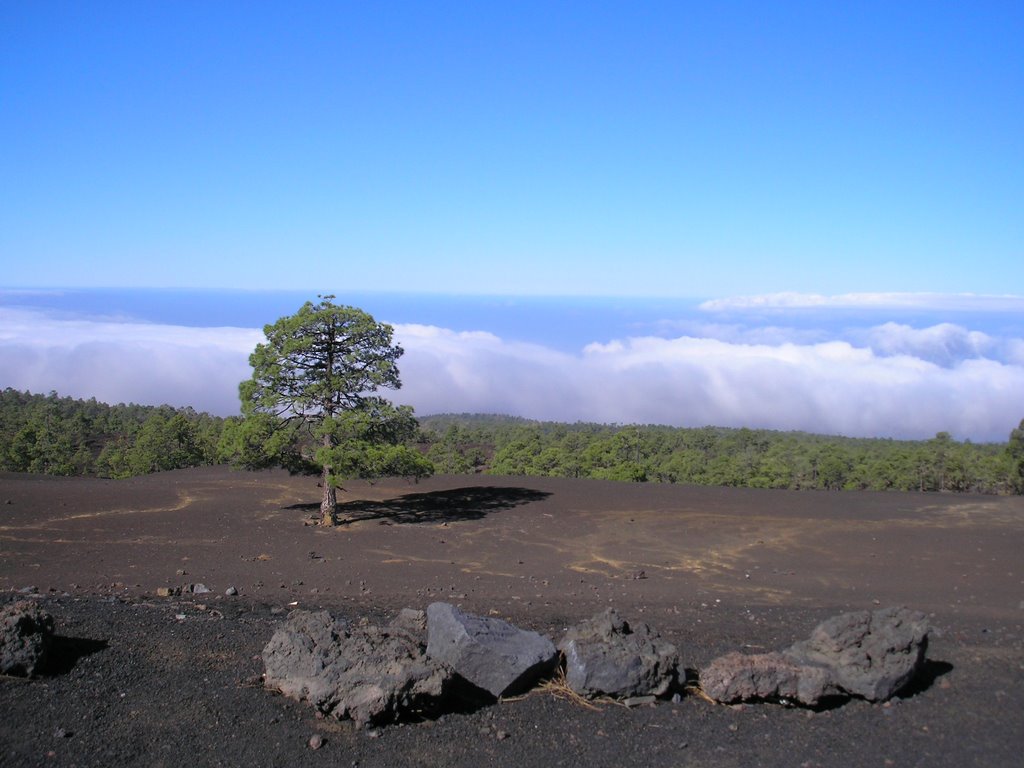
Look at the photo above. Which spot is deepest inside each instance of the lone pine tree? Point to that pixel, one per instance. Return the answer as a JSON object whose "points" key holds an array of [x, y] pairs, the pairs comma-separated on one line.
{"points": [[311, 401]]}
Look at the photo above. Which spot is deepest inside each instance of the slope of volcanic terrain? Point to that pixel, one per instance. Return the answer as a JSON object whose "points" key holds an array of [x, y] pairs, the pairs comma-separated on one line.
{"points": [[144, 679]]}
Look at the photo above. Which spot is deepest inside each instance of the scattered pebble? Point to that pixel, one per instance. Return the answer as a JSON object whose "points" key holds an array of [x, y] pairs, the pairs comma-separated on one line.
{"points": [[230, 591], [637, 701], [316, 741]]}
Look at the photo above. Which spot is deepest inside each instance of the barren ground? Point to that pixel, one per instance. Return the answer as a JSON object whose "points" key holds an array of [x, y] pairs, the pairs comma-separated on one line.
{"points": [[174, 681]]}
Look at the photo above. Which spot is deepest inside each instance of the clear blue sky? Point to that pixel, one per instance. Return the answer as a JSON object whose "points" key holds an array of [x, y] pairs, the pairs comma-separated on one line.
{"points": [[690, 149]]}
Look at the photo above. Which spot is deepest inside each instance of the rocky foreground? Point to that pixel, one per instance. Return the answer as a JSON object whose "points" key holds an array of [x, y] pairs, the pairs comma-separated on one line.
{"points": [[182, 683], [445, 660]]}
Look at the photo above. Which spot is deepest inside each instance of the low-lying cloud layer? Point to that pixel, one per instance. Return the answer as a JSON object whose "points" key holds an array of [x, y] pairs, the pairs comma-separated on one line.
{"points": [[889, 380], [121, 362], [832, 387], [959, 302]]}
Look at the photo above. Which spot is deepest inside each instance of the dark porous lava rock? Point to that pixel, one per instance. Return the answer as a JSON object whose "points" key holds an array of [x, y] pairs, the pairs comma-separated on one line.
{"points": [[870, 655], [366, 673], [26, 634], [608, 656]]}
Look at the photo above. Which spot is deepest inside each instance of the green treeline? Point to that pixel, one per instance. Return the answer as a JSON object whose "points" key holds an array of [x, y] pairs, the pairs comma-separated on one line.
{"points": [[717, 456], [62, 436]]}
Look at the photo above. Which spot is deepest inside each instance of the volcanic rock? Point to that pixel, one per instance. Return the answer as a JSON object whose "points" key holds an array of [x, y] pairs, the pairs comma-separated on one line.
{"points": [[366, 673], [26, 633], [871, 655], [489, 653], [606, 655]]}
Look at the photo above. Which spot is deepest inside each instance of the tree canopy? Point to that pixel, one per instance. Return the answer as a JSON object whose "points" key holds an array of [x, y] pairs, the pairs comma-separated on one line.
{"points": [[55, 435], [753, 458], [62, 436], [311, 401]]}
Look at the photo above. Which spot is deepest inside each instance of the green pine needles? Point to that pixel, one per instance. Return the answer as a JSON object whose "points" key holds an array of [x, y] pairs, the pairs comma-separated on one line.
{"points": [[312, 402]]}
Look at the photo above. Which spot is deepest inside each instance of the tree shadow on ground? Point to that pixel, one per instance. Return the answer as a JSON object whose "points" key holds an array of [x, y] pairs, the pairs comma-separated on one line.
{"points": [[473, 503]]}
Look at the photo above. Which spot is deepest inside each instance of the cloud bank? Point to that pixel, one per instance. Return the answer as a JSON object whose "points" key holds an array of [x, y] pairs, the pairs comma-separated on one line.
{"points": [[959, 302], [887, 380], [831, 387], [122, 362]]}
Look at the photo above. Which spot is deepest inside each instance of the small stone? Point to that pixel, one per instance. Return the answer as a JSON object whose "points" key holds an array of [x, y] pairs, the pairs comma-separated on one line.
{"points": [[316, 741], [637, 701], [373, 733], [230, 591], [164, 591], [501, 735]]}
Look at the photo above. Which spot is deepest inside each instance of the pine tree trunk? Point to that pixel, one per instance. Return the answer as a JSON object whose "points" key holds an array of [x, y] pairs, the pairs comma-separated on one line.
{"points": [[328, 500]]}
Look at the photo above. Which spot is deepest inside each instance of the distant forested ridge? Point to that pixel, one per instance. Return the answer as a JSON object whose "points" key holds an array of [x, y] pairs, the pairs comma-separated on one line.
{"points": [[56, 435], [63, 436], [753, 458]]}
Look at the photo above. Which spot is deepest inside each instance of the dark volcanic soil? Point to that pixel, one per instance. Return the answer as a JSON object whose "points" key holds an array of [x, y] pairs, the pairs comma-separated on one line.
{"points": [[145, 680]]}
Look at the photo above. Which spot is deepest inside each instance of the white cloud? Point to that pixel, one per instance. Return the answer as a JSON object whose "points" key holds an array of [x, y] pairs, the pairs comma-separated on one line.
{"points": [[832, 387], [964, 302], [125, 362], [898, 381], [944, 344]]}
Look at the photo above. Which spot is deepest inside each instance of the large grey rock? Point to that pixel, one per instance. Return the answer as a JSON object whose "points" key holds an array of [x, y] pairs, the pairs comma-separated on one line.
{"points": [[26, 633], [368, 674], [489, 653], [871, 655], [606, 655]]}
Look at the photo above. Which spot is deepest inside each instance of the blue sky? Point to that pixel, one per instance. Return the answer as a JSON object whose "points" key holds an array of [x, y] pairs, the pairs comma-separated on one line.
{"points": [[783, 215], [671, 149]]}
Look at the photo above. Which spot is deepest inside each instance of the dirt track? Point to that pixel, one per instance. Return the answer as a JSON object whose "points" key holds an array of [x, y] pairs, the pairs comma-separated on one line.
{"points": [[712, 569]]}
